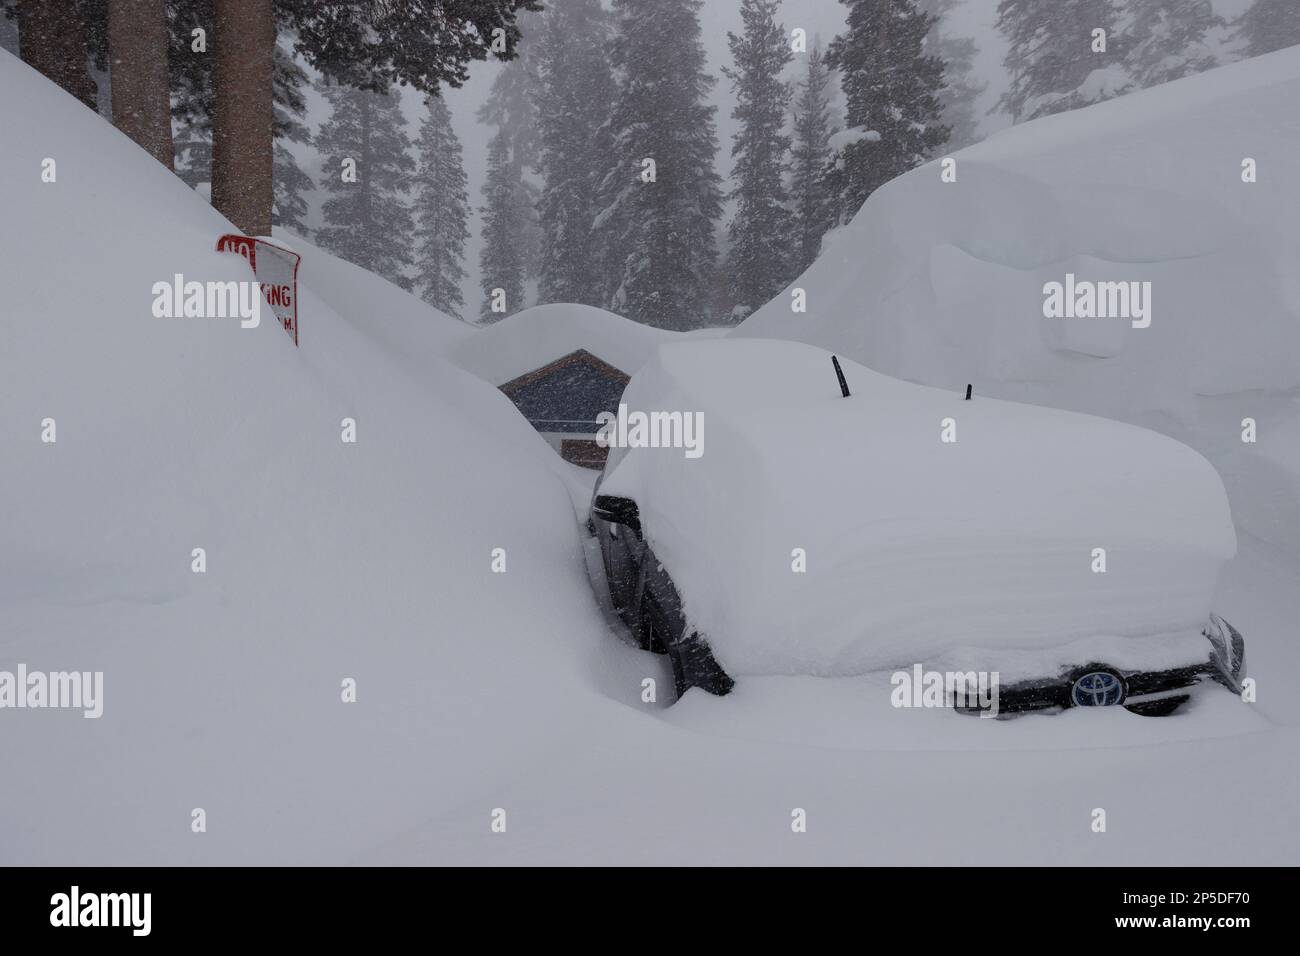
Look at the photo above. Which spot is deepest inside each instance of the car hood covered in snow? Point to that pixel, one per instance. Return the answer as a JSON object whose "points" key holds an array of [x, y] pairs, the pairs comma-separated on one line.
{"points": [[909, 545]]}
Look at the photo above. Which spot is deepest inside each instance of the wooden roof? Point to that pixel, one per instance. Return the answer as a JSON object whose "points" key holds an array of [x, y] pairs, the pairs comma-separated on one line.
{"points": [[549, 370]]}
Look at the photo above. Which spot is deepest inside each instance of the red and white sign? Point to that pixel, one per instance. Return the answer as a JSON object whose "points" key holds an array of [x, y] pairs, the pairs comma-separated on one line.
{"points": [[276, 271]]}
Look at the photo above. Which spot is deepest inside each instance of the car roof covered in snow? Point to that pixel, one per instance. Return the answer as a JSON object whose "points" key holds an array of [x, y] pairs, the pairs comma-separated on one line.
{"points": [[912, 543]]}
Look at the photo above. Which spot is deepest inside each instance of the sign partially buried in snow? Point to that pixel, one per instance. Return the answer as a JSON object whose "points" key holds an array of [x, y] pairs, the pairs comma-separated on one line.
{"points": [[276, 271]]}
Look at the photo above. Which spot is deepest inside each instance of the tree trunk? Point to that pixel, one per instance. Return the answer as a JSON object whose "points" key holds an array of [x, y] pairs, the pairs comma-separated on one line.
{"points": [[242, 113], [52, 39], [137, 49]]}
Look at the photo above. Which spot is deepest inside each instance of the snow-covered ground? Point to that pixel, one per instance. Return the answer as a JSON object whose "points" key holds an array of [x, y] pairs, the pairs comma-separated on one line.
{"points": [[476, 690]]}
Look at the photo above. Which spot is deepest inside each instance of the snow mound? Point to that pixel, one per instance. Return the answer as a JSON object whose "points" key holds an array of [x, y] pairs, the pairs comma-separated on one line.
{"points": [[391, 315], [1266, 473], [943, 282], [538, 336], [325, 561], [913, 545]]}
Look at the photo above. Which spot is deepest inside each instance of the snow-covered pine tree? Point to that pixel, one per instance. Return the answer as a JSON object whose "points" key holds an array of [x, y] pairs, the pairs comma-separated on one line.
{"points": [[810, 193], [1051, 59], [192, 142], [191, 92], [960, 87], [758, 262], [288, 181], [574, 89], [501, 260], [1268, 25], [366, 172], [1166, 39], [511, 108], [9, 26], [441, 209], [511, 233], [891, 86], [661, 195]]}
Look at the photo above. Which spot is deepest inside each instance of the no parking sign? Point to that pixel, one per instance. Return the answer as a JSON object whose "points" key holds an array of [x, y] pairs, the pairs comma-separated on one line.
{"points": [[276, 271]]}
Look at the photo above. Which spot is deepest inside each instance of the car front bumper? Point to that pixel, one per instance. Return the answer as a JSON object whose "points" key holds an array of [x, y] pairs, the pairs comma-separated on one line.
{"points": [[1146, 692]]}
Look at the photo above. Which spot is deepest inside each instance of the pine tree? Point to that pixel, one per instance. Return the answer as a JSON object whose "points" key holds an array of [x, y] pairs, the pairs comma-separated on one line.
{"points": [[661, 195], [1166, 40], [288, 180], [1268, 25], [575, 87], [510, 108], [138, 42], [367, 219], [1051, 59], [368, 44], [501, 260], [191, 91], [960, 88], [193, 146], [891, 86], [243, 114], [811, 153], [758, 262], [191, 85], [442, 207], [54, 37], [9, 26]]}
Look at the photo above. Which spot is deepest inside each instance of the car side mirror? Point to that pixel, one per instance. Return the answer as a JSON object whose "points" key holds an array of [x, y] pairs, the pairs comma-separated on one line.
{"points": [[617, 510]]}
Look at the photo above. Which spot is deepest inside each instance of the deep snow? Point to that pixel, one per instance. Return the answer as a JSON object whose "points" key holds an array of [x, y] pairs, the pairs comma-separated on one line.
{"points": [[325, 560], [535, 337], [475, 690], [910, 544], [942, 282]]}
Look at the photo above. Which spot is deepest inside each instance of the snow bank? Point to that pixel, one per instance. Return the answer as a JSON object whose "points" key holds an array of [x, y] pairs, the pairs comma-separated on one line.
{"points": [[538, 336], [1266, 475], [942, 282], [913, 545], [324, 560], [391, 315]]}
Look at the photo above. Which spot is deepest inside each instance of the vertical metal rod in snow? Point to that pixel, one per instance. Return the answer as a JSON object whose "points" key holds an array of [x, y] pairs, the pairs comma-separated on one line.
{"points": [[839, 373]]}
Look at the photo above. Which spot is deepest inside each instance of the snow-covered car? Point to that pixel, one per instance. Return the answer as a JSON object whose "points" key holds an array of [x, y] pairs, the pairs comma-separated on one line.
{"points": [[825, 519]]}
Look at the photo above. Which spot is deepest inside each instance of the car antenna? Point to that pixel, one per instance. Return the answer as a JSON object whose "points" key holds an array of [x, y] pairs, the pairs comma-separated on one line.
{"points": [[968, 391], [839, 373]]}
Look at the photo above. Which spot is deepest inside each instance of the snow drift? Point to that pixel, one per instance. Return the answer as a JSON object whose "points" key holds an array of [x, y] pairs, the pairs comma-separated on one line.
{"points": [[325, 560], [913, 545], [943, 282], [387, 313], [535, 337]]}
